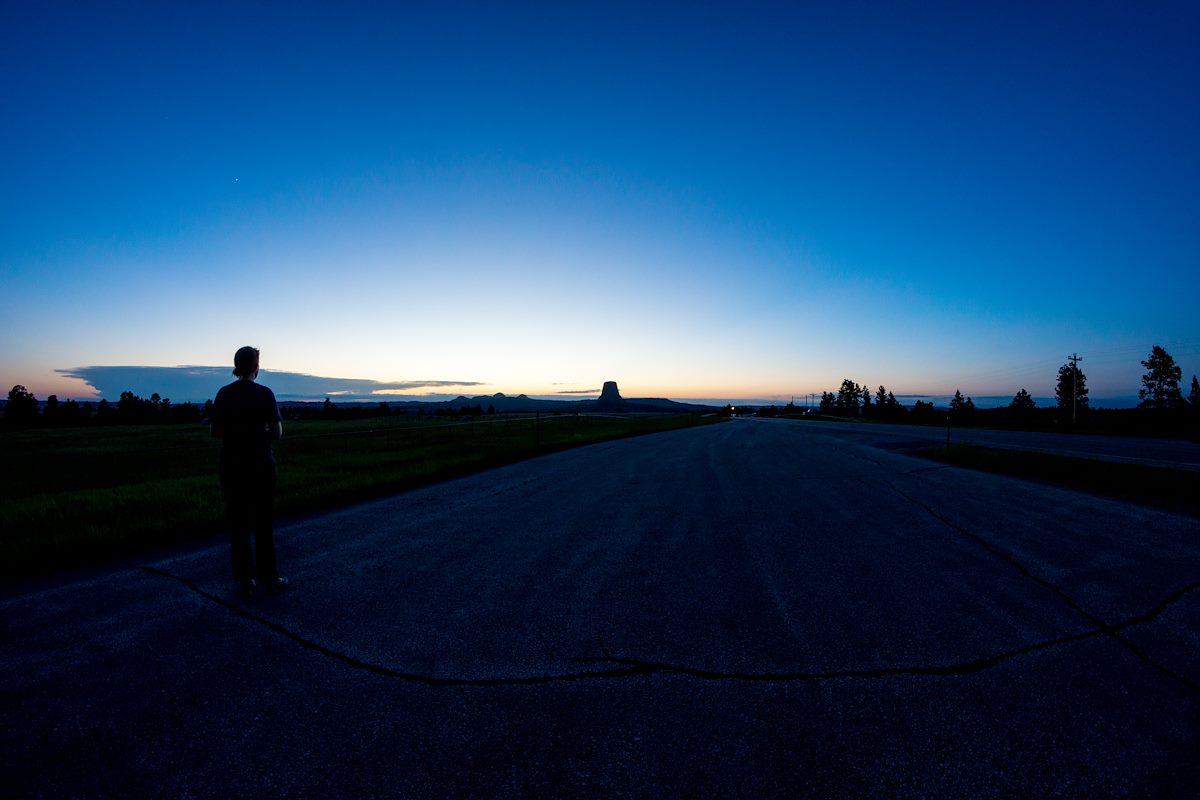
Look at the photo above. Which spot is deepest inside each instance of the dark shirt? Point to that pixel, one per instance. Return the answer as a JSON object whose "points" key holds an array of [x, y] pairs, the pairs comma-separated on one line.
{"points": [[241, 418]]}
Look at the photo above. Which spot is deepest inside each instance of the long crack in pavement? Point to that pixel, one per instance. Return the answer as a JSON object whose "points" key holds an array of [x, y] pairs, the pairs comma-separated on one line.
{"points": [[1102, 628], [631, 668]]}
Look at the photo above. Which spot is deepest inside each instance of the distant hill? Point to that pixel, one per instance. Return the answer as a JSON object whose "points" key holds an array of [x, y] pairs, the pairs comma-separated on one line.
{"points": [[610, 400]]}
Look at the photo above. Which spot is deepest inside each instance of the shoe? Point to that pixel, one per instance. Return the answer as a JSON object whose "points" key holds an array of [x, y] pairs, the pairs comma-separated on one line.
{"points": [[246, 588], [277, 586]]}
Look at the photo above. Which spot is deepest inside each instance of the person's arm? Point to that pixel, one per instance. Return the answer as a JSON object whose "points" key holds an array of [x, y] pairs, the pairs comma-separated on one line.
{"points": [[275, 424], [215, 428]]}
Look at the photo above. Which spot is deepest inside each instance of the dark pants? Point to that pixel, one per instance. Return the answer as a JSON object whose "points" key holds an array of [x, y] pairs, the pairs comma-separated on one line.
{"points": [[249, 499]]}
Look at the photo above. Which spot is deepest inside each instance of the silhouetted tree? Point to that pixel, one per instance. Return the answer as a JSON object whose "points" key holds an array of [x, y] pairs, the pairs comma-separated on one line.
{"points": [[1194, 408], [848, 398], [923, 412], [327, 409], [69, 412], [886, 405], [50, 411], [1022, 401], [961, 408], [1022, 406], [22, 406], [1071, 393], [828, 401], [128, 406], [1160, 384]]}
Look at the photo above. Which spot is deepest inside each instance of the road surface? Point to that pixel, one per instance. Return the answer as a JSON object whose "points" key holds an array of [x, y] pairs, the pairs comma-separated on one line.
{"points": [[753, 609]]}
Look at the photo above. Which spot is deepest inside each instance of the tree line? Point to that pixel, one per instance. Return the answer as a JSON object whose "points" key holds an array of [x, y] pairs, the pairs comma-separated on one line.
{"points": [[24, 410], [1162, 406]]}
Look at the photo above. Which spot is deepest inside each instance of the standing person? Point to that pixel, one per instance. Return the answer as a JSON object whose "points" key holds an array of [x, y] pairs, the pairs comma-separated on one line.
{"points": [[245, 417]]}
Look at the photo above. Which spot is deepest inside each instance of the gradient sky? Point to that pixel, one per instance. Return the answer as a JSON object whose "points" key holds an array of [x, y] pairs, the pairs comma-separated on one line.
{"points": [[695, 200]]}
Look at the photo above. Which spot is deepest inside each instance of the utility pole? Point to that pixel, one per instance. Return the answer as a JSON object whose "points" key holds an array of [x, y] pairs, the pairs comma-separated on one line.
{"points": [[1074, 358]]}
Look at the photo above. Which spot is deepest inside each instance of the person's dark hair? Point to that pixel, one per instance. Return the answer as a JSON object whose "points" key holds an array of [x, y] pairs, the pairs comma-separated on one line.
{"points": [[245, 361]]}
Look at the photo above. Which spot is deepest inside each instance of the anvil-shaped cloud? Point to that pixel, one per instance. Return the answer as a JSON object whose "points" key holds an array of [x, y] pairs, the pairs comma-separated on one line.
{"points": [[197, 384]]}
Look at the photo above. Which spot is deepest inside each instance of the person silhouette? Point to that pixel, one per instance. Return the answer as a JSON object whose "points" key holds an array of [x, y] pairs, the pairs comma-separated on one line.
{"points": [[245, 417]]}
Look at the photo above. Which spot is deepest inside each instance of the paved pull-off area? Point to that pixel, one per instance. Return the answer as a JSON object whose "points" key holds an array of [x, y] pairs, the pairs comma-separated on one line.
{"points": [[754, 609]]}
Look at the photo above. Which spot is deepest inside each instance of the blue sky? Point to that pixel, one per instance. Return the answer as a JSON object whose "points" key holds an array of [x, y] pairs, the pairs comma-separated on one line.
{"points": [[721, 201]]}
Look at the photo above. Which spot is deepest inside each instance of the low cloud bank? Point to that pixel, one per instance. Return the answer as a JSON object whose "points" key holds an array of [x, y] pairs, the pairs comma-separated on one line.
{"points": [[197, 384]]}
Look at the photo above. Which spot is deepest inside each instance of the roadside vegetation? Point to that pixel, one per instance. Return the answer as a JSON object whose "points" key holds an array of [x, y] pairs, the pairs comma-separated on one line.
{"points": [[72, 496], [1163, 409], [1171, 489]]}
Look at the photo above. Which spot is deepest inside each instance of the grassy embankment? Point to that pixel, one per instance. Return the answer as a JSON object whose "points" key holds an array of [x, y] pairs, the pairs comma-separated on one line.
{"points": [[71, 497], [1172, 489]]}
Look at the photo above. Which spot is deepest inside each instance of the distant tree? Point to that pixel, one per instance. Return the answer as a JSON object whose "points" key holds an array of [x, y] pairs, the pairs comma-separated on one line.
{"points": [[206, 410], [923, 412], [886, 405], [1071, 393], [128, 406], [828, 402], [104, 411], [385, 409], [961, 407], [491, 409], [1160, 384], [50, 414], [327, 408], [22, 406], [1022, 407], [867, 409], [1022, 401], [848, 398], [1194, 408]]}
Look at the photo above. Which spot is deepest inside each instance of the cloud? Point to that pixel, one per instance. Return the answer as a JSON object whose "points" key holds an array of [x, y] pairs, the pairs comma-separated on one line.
{"points": [[197, 384], [578, 391]]}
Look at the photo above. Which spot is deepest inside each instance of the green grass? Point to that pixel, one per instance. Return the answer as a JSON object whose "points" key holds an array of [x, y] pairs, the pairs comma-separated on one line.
{"points": [[73, 497], [1172, 489]]}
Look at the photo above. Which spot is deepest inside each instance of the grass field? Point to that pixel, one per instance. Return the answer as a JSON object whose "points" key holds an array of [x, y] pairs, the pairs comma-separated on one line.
{"points": [[1172, 489], [71, 497]]}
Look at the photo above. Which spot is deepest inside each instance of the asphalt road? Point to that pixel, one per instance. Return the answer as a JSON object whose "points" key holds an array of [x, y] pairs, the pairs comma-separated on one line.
{"points": [[754, 609]]}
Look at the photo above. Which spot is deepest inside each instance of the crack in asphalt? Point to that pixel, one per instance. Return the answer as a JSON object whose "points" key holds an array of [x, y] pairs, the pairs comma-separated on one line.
{"points": [[1102, 628], [632, 668]]}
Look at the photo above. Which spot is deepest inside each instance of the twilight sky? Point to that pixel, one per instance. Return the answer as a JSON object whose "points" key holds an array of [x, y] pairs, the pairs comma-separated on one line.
{"points": [[719, 201]]}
